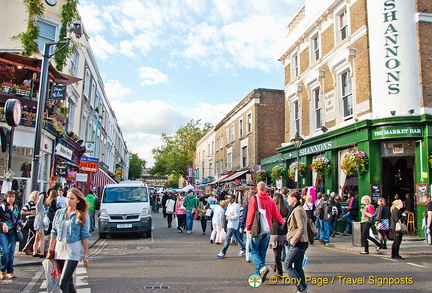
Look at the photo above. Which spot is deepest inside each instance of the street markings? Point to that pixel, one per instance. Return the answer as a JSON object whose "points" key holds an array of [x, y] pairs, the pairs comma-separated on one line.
{"points": [[416, 265]]}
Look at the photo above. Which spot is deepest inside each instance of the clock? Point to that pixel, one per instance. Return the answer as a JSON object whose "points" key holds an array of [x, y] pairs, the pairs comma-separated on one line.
{"points": [[51, 2], [13, 112]]}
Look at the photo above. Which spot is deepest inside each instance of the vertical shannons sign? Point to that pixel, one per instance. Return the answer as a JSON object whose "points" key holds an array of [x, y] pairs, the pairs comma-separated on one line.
{"points": [[393, 56]]}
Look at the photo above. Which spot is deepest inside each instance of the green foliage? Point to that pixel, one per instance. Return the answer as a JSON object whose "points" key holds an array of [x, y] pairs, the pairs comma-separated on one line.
{"points": [[276, 174], [69, 13], [260, 175], [172, 183], [136, 165], [177, 151], [28, 38]]}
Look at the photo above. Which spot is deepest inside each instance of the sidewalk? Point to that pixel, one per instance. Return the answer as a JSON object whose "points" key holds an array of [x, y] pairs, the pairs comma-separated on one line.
{"points": [[411, 245], [21, 259]]}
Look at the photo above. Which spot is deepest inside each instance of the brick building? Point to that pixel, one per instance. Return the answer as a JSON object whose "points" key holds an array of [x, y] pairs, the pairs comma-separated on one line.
{"points": [[250, 132], [358, 79]]}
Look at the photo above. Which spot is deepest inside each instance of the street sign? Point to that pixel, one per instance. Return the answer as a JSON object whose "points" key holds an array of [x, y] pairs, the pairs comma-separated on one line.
{"points": [[89, 164], [119, 172]]}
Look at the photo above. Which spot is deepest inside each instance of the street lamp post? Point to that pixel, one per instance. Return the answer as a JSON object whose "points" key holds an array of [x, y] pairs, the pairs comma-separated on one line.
{"points": [[43, 91], [297, 142]]}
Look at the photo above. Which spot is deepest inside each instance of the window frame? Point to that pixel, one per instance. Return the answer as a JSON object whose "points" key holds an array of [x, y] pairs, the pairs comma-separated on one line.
{"points": [[249, 122], [346, 96], [244, 156], [315, 45], [342, 29], [317, 101], [241, 128], [56, 26], [295, 65], [295, 112]]}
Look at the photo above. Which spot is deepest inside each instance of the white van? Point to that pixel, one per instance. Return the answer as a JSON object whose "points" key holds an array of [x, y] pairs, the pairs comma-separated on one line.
{"points": [[125, 208]]}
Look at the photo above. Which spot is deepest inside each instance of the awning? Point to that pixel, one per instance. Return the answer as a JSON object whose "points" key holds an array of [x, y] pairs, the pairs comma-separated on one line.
{"points": [[234, 176], [30, 65], [223, 177], [101, 178]]}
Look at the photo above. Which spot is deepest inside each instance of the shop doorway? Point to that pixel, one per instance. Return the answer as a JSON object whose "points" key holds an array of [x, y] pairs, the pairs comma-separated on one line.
{"points": [[398, 177]]}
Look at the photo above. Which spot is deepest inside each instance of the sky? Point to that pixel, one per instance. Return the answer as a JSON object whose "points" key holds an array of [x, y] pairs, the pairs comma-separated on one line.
{"points": [[165, 62]]}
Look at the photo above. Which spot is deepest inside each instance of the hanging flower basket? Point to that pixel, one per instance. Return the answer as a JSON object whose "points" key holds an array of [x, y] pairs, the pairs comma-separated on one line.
{"points": [[260, 175], [277, 172], [321, 166], [430, 160], [296, 166], [354, 163]]}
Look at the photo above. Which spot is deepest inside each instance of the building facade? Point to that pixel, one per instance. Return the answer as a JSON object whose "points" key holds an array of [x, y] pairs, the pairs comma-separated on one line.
{"points": [[80, 124], [251, 131], [358, 80]]}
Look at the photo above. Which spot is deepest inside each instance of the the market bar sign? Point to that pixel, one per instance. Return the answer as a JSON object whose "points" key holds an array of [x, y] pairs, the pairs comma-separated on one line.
{"points": [[396, 132]]}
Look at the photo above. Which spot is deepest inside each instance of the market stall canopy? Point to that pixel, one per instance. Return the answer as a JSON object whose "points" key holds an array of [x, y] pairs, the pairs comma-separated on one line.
{"points": [[234, 176], [26, 66], [187, 188]]}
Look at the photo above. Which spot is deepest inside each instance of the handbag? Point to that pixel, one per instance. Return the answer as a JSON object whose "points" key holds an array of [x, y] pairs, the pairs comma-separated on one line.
{"points": [[208, 212], [19, 235], [182, 207], [260, 224], [52, 274], [401, 227]]}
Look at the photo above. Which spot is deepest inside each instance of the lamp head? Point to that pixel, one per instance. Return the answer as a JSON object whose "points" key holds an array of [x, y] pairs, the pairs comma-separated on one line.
{"points": [[411, 111], [324, 129], [393, 112], [297, 141]]}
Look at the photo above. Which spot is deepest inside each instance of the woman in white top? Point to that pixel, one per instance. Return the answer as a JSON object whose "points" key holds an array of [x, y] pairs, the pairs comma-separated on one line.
{"points": [[218, 222], [69, 237]]}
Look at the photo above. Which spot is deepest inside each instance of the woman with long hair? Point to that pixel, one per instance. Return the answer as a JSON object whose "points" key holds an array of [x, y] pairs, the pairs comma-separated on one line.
{"points": [[278, 239], [297, 237], [69, 237], [396, 215], [180, 214], [366, 223], [39, 226], [383, 221], [9, 222], [51, 203]]}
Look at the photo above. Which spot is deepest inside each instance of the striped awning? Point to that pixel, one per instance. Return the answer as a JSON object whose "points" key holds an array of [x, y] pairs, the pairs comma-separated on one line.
{"points": [[101, 178]]}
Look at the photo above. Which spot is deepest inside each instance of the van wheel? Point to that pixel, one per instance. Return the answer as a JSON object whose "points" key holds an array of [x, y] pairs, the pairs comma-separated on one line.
{"points": [[102, 236]]}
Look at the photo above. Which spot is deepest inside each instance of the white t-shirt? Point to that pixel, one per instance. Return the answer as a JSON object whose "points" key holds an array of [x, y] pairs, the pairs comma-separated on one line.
{"points": [[61, 201]]}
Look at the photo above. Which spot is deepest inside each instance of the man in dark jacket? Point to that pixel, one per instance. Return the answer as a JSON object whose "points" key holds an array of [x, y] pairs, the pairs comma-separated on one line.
{"points": [[336, 213]]}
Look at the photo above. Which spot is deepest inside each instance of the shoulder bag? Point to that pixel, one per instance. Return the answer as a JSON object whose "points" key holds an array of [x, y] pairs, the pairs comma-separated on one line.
{"points": [[401, 227], [260, 224]]}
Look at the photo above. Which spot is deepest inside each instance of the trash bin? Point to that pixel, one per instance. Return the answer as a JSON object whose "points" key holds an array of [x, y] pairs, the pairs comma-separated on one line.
{"points": [[356, 234]]}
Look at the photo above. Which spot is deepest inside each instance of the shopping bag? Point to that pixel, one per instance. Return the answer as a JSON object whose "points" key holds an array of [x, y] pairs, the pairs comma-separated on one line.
{"points": [[52, 274]]}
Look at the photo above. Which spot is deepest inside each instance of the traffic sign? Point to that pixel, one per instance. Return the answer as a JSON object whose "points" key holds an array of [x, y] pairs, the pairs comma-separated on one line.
{"points": [[119, 172]]}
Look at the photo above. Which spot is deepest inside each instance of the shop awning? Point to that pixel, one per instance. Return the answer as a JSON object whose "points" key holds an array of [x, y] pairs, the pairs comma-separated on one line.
{"points": [[222, 178], [234, 176], [101, 178], [30, 65]]}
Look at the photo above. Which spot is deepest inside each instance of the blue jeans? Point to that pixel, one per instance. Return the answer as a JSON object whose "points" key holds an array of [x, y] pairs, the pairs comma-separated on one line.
{"points": [[318, 225], [258, 250], [189, 220], [230, 233], [295, 256], [348, 219], [283, 254], [7, 243], [325, 231]]}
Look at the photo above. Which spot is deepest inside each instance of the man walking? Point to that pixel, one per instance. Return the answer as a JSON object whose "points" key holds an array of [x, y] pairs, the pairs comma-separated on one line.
{"points": [[90, 199], [190, 203], [259, 244], [232, 215]]}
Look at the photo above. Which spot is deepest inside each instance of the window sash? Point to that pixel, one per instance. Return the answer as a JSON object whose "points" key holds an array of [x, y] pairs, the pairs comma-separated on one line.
{"points": [[346, 89], [318, 108]]}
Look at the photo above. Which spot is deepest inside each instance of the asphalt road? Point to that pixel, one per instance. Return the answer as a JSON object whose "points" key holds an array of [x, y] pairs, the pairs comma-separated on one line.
{"points": [[178, 262]]}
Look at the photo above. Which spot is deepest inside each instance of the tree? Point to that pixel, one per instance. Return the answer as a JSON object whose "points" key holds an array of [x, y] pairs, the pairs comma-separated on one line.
{"points": [[136, 165], [177, 152]]}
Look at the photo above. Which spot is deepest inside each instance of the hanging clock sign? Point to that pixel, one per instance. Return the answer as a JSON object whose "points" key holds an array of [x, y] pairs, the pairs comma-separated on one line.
{"points": [[13, 112], [51, 2]]}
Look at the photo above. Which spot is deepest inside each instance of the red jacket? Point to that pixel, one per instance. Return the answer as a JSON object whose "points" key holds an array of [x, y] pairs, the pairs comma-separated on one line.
{"points": [[268, 204]]}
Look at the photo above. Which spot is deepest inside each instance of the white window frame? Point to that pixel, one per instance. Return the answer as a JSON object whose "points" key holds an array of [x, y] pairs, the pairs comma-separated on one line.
{"points": [[295, 115], [56, 26], [315, 48], [346, 98], [232, 132], [87, 83], [244, 159], [229, 160], [74, 63], [317, 102], [295, 65], [241, 128], [342, 29], [249, 122], [227, 135]]}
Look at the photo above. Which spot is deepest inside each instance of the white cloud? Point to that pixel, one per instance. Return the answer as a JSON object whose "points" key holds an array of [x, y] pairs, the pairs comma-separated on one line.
{"points": [[142, 144], [101, 47], [115, 90], [150, 76], [210, 113]]}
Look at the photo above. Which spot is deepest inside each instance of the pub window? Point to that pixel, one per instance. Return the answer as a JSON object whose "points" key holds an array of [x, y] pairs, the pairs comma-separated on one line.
{"points": [[346, 93]]}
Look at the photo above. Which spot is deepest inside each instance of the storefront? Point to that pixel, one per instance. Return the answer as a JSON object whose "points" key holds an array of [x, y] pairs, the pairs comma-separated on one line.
{"points": [[396, 150]]}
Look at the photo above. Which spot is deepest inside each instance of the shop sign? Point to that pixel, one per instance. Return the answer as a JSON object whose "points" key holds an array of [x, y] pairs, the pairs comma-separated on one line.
{"points": [[89, 164], [396, 132], [58, 92], [63, 151], [61, 170], [318, 148], [81, 177], [329, 106]]}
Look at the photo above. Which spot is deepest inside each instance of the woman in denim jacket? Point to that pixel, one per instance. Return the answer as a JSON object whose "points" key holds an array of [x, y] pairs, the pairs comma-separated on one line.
{"points": [[69, 237]]}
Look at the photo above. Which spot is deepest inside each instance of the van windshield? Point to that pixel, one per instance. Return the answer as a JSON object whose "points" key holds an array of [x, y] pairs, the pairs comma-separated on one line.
{"points": [[125, 194]]}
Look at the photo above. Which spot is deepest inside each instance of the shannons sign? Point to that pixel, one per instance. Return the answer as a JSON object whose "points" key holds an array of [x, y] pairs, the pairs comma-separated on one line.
{"points": [[396, 132], [318, 148]]}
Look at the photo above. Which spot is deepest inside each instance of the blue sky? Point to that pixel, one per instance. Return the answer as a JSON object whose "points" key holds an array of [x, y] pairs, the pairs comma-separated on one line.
{"points": [[166, 62]]}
